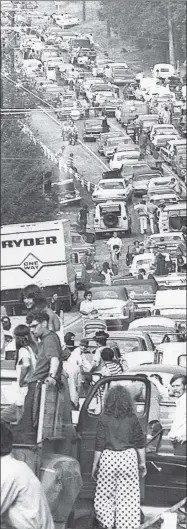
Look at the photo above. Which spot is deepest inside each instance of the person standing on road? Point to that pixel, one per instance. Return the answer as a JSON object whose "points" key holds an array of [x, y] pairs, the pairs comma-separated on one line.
{"points": [[47, 370], [178, 432], [101, 341], [23, 502], [83, 218], [143, 141], [152, 214], [115, 466], [141, 208], [34, 299], [115, 246], [26, 352]]}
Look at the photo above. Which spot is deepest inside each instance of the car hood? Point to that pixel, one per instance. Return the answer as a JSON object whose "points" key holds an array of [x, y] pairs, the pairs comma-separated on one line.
{"points": [[108, 304]]}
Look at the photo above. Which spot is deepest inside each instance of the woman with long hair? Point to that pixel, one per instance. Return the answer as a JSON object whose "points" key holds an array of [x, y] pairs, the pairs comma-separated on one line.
{"points": [[120, 444], [26, 354], [34, 299]]}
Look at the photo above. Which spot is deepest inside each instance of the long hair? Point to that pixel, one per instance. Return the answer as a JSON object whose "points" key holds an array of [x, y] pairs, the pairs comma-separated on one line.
{"points": [[34, 292], [22, 338], [118, 402]]}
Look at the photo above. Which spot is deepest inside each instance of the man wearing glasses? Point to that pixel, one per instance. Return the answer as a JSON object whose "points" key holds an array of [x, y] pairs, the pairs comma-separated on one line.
{"points": [[47, 370]]}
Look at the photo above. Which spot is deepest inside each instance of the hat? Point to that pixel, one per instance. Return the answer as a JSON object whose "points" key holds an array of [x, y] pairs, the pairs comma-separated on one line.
{"points": [[101, 334], [84, 342]]}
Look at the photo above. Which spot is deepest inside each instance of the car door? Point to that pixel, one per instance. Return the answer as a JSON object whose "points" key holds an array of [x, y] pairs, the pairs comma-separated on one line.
{"points": [[90, 413], [165, 482]]}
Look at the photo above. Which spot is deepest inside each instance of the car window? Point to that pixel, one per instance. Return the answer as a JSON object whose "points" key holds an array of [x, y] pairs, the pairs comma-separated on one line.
{"points": [[105, 294], [139, 290], [110, 185], [141, 262]]}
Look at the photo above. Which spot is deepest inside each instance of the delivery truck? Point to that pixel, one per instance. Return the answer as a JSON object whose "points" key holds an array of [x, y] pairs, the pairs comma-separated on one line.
{"points": [[39, 253]]}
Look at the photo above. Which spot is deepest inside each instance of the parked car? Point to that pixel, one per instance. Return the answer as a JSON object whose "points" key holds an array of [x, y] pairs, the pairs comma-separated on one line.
{"points": [[116, 144], [103, 138], [142, 293], [171, 306], [160, 140], [112, 215], [169, 352], [114, 306], [140, 181], [162, 128], [130, 152], [164, 468], [93, 128], [111, 189]]}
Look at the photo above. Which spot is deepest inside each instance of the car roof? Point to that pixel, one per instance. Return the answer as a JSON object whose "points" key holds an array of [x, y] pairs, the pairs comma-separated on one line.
{"points": [[174, 370], [166, 234], [131, 332]]}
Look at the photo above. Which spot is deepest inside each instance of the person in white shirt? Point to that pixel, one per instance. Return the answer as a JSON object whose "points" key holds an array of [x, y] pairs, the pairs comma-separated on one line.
{"points": [[178, 433], [141, 208], [23, 502], [87, 306], [25, 366], [113, 243], [74, 366]]}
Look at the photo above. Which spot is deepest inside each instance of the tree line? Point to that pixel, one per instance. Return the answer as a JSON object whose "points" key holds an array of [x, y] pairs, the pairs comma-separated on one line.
{"points": [[147, 22]]}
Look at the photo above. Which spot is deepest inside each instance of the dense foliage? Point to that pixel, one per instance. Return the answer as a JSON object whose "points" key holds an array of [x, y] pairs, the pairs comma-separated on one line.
{"points": [[147, 21], [22, 168]]}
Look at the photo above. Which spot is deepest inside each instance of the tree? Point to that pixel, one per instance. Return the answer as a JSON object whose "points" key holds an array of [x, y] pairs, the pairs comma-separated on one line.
{"points": [[147, 21], [23, 166]]}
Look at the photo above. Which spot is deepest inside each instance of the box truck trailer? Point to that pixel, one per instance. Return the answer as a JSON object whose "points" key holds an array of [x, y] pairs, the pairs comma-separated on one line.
{"points": [[38, 253]]}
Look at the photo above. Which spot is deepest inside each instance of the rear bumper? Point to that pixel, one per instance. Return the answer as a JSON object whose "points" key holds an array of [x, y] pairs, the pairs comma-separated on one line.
{"points": [[106, 230], [117, 324]]}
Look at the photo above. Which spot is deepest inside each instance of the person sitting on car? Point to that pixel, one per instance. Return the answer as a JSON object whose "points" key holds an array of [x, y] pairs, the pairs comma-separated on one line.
{"points": [[86, 306]]}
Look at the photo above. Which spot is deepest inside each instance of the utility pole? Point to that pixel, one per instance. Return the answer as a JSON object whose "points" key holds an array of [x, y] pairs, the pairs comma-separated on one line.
{"points": [[170, 35], [12, 14], [83, 10]]}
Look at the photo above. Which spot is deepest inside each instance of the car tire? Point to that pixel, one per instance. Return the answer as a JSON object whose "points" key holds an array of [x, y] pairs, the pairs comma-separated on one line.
{"points": [[110, 220]]}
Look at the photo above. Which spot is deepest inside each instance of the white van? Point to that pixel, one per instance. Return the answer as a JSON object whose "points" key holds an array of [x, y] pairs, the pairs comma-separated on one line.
{"points": [[163, 70]]}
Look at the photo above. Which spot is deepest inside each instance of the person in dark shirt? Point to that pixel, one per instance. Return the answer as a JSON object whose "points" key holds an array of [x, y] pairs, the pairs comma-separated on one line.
{"points": [[118, 439], [47, 370]]}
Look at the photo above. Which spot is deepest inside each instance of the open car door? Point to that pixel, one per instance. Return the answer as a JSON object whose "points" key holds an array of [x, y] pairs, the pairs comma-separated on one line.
{"points": [[90, 413]]}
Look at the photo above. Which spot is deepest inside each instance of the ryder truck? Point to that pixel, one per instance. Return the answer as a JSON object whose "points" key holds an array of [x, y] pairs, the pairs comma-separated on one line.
{"points": [[39, 253]]}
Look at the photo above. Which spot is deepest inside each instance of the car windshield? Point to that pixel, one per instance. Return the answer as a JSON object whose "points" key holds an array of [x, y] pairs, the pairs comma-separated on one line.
{"points": [[105, 294], [141, 262], [140, 177], [110, 185], [157, 334], [126, 345], [139, 290]]}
